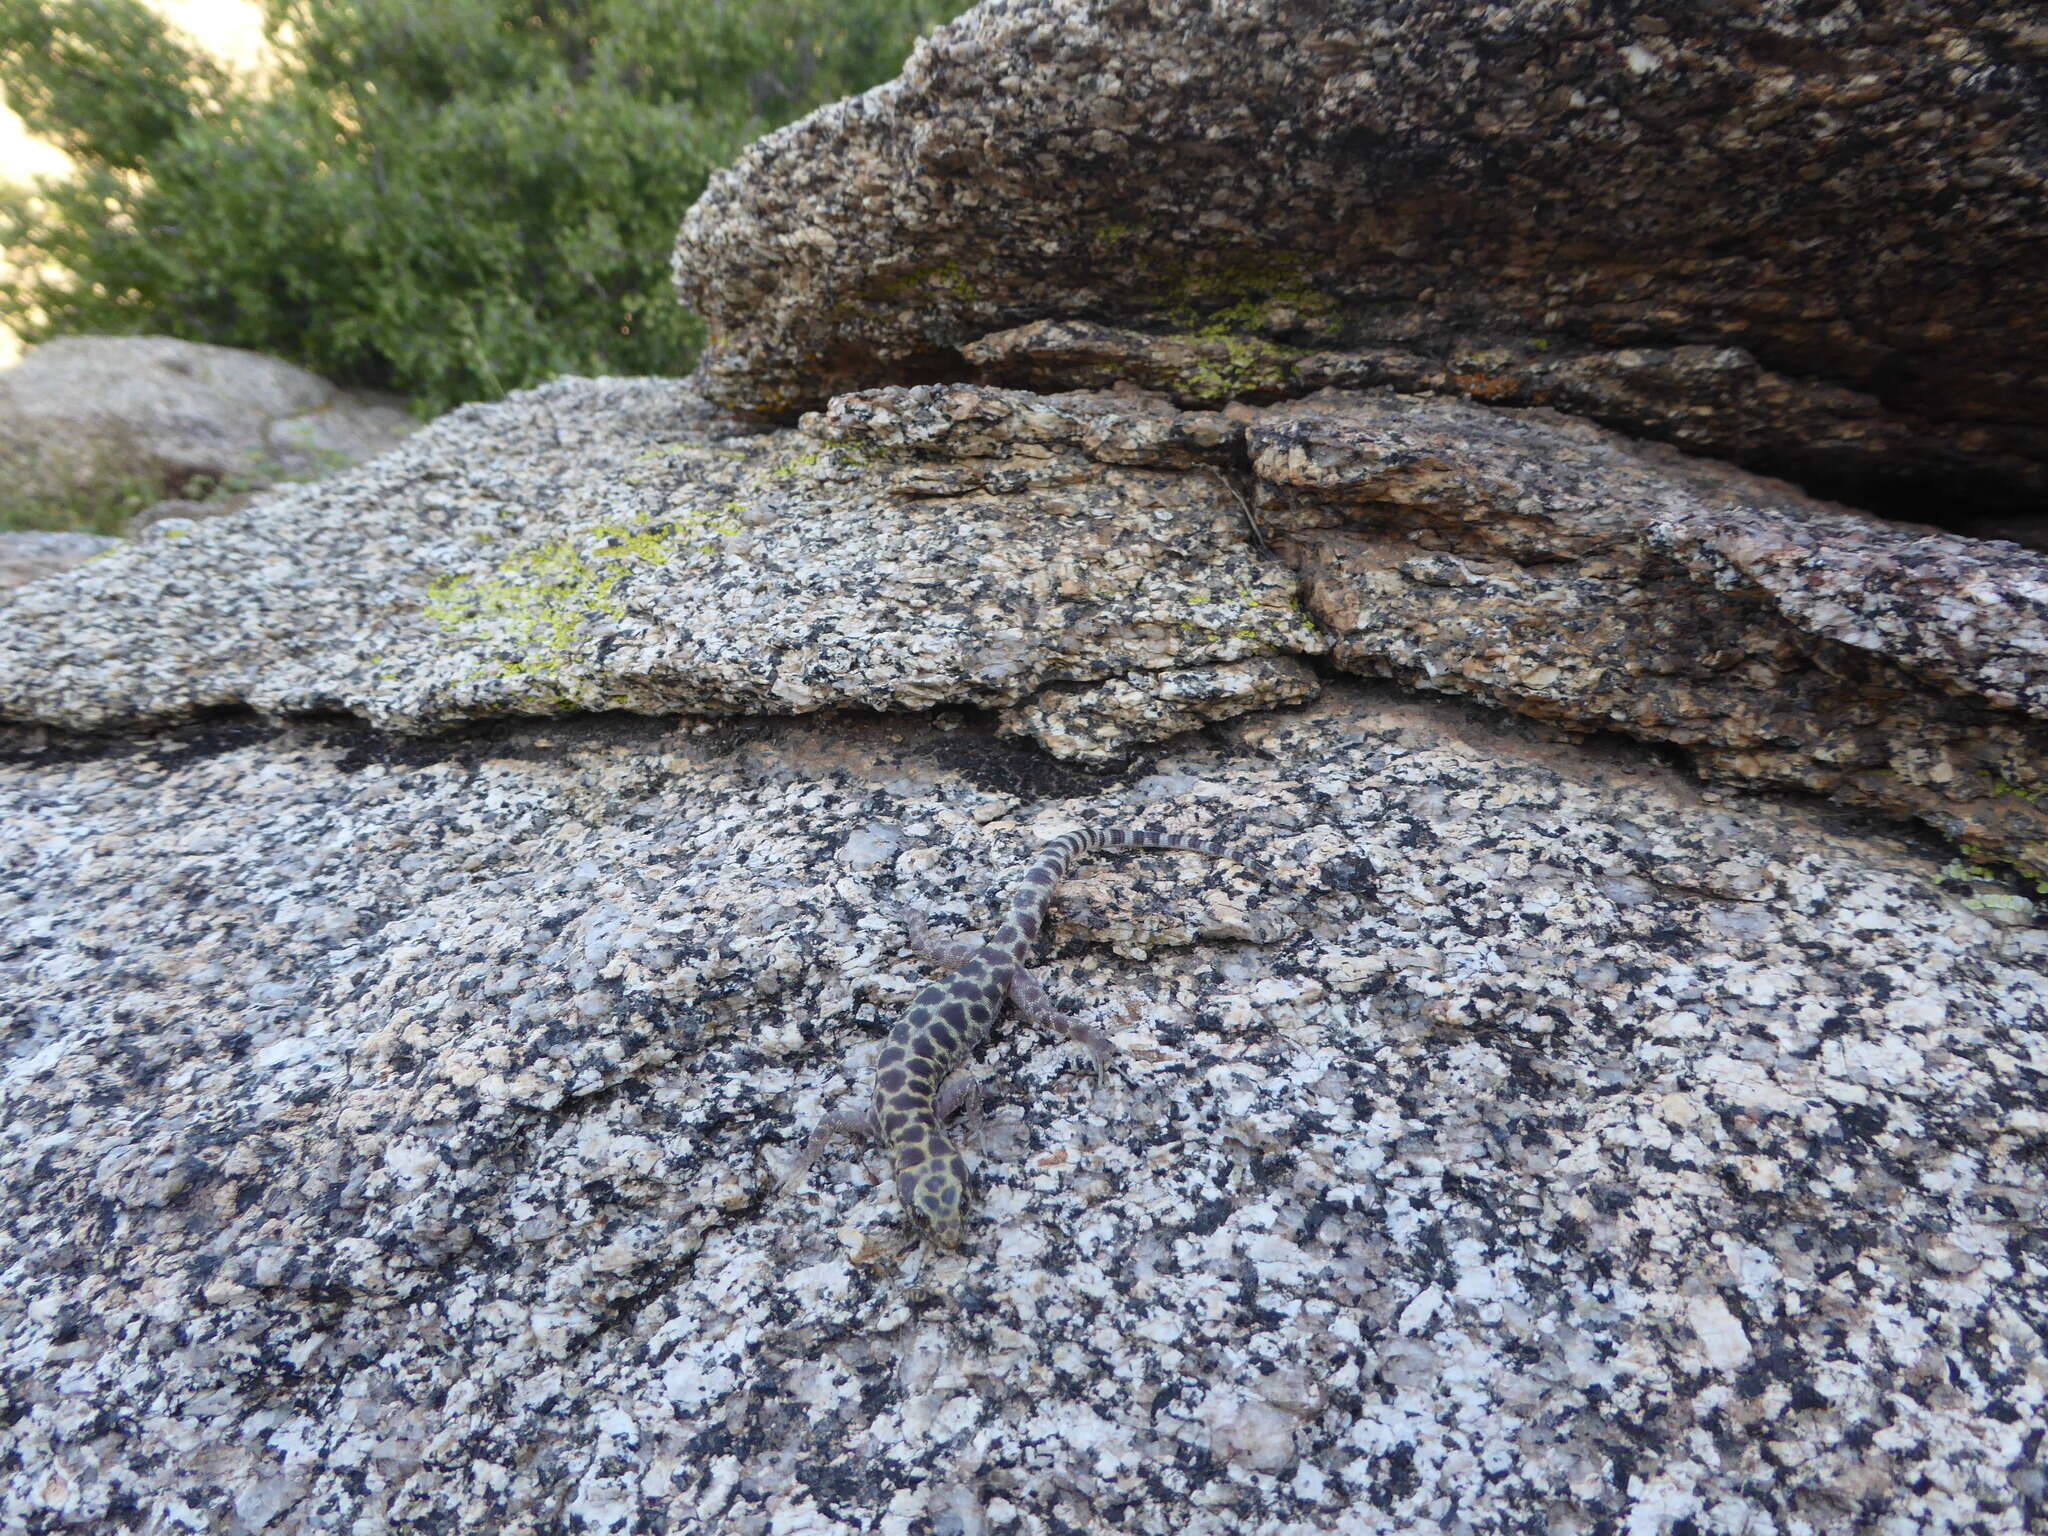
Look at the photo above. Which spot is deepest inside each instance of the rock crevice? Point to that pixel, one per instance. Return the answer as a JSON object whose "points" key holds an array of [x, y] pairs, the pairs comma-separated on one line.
{"points": [[1087, 565], [397, 1128]]}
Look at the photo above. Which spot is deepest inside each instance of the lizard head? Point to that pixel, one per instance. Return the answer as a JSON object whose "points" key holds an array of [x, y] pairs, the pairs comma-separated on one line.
{"points": [[936, 1196]]}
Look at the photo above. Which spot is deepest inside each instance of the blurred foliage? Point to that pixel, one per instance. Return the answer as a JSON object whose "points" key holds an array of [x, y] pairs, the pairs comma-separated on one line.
{"points": [[450, 201], [85, 486]]}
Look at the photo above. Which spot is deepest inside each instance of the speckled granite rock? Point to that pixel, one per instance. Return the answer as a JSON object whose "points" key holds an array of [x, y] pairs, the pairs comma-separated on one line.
{"points": [[1843, 205], [1092, 565], [1544, 564], [392, 1138], [1710, 400], [619, 544], [1096, 722], [1127, 426]]}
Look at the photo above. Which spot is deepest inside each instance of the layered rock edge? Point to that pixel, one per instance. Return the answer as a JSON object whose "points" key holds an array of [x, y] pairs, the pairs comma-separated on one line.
{"points": [[1809, 243], [622, 545], [1568, 573], [1100, 567]]}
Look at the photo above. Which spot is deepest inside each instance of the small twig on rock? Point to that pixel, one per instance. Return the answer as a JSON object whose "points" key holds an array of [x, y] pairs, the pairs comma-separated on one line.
{"points": [[1251, 522]]}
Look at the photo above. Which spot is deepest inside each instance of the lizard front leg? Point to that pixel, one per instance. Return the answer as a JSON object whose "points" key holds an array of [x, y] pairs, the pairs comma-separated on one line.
{"points": [[961, 1095], [1033, 1003], [844, 1122], [946, 954]]}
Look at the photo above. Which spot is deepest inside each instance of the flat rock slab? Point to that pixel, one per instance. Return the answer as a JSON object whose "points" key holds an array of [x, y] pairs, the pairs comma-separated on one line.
{"points": [[393, 1136], [620, 544], [1711, 223], [1098, 567]]}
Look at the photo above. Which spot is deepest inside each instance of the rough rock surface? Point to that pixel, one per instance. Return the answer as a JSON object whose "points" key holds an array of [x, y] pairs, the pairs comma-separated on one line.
{"points": [[1840, 208], [619, 544], [393, 1132], [1094, 566], [27, 557], [1545, 564], [85, 409], [189, 509], [1709, 400], [1563, 571], [397, 1130]]}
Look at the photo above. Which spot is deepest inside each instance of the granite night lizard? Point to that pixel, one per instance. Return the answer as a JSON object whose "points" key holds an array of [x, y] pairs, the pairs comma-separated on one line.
{"points": [[913, 1095]]}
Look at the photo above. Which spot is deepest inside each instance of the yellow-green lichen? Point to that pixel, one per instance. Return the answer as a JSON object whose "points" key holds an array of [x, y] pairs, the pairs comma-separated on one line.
{"points": [[1246, 296], [938, 276], [1980, 866], [1243, 616], [1249, 365], [789, 468], [533, 608], [1956, 869], [1999, 901], [866, 455]]}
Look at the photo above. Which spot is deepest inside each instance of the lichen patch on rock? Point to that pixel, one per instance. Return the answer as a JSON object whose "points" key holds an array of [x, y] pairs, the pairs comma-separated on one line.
{"points": [[620, 545]]}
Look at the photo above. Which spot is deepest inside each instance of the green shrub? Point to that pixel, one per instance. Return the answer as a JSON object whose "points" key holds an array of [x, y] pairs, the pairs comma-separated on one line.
{"points": [[450, 201]]}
